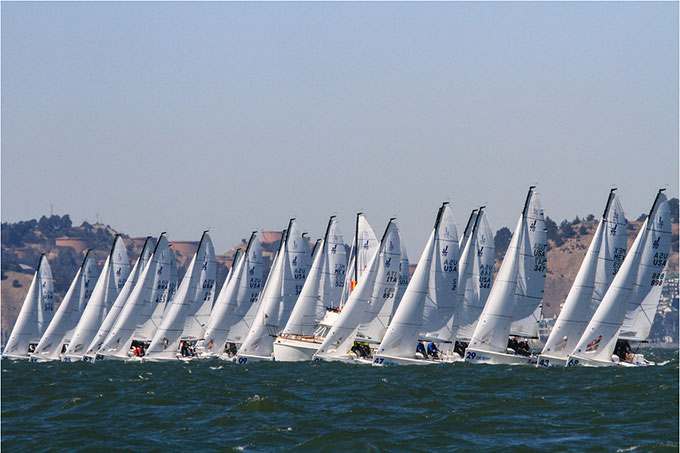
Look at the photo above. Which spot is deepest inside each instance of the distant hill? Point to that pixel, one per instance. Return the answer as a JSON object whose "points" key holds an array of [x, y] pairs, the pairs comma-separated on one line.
{"points": [[65, 245]]}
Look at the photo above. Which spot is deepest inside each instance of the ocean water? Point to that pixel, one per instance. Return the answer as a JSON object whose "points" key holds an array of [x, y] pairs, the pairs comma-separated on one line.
{"points": [[214, 405]]}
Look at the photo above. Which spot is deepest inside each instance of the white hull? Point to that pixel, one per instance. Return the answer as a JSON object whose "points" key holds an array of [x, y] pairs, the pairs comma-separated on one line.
{"points": [[344, 359], [71, 358], [548, 361], [247, 358], [114, 357], [496, 358], [14, 357], [34, 358], [290, 350], [386, 360], [638, 360], [166, 359]]}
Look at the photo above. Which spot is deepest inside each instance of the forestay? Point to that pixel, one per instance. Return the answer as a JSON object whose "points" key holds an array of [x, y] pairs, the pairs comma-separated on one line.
{"points": [[635, 283], [198, 286], [378, 282], [68, 314], [156, 285], [601, 263], [282, 288], [36, 312], [477, 271], [110, 283], [119, 303], [323, 287]]}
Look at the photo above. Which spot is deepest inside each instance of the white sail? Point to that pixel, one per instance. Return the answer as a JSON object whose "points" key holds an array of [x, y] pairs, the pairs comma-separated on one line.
{"points": [[238, 297], [114, 311], [511, 285], [404, 278], [477, 271], [151, 293], [378, 283], [323, 287], [198, 285], [195, 324], [532, 270], [282, 288], [434, 283], [379, 309], [111, 281], [600, 265], [644, 300], [68, 314], [364, 245], [443, 296], [36, 313], [641, 272]]}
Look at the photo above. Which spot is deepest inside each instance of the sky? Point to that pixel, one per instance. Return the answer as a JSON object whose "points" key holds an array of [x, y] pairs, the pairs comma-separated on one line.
{"points": [[232, 117]]}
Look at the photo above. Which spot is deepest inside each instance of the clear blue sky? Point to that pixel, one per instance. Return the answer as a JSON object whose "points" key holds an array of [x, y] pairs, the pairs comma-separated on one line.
{"points": [[234, 116]]}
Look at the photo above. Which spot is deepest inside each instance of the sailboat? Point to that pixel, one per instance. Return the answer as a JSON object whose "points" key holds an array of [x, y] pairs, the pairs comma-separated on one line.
{"points": [[143, 310], [514, 303], [376, 286], [601, 263], [36, 313], [476, 271], [322, 290], [236, 304], [179, 320], [58, 333], [428, 305], [110, 282], [284, 285], [117, 306], [632, 296]]}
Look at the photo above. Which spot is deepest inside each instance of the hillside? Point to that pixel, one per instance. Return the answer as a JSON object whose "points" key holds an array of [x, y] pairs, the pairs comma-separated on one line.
{"points": [[65, 245]]}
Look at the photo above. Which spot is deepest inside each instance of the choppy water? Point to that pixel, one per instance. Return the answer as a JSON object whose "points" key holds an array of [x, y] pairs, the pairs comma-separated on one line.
{"points": [[213, 405]]}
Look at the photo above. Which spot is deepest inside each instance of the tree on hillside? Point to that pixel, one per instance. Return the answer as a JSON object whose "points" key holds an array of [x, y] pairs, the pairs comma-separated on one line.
{"points": [[673, 202], [566, 231], [590, 218], [54, 226], [552, 233], [501, 242]]}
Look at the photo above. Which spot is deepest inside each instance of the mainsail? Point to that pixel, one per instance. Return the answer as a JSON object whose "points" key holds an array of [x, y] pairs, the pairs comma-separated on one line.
{"points": [[511, 292], [238, 296], [36, 313], [197, 287], [532, 270], [364, 245], [600, 265], [477, 270], [378, 284], [430, 298], [119, 303], [110, 282], [323, 287], [282, 288], [68, 314]]}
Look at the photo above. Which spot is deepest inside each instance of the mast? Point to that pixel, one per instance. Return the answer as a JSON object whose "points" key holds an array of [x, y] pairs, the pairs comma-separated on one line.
{"points": [[656, 200], [526, 203], [609, 202], [467, 225]]}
